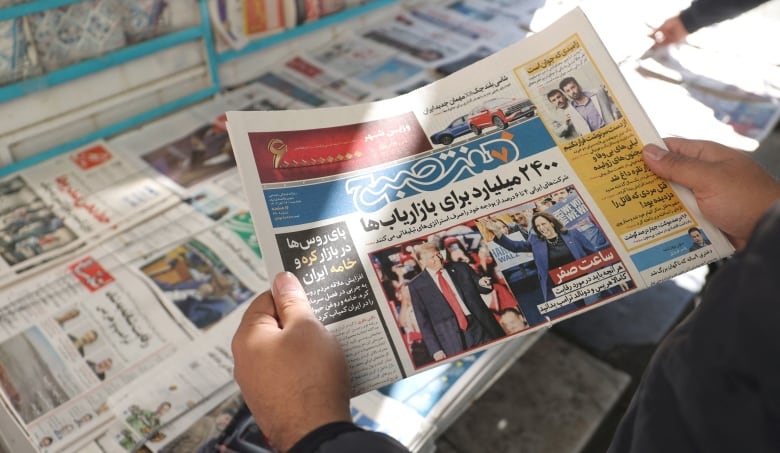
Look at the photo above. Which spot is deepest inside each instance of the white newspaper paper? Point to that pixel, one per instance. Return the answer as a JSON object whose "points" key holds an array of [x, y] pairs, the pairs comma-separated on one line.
{"points": [[347, 198]]}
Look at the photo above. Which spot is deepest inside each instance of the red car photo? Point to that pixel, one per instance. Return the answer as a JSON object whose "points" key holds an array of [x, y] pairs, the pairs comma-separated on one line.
{"points": [[499, 112]]}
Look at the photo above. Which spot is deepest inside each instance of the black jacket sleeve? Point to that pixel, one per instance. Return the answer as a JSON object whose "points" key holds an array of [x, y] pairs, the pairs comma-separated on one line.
{"points": [[703, 13], [345, 437], [713, 385]]}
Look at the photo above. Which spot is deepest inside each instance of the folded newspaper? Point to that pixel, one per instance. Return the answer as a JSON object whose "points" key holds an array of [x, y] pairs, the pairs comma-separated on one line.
{"points": [[489, 204]]}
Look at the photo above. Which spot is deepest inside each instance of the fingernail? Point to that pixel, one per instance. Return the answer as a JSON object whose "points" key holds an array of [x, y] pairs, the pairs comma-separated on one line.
{"points": [[286, 283], [655, 152]]}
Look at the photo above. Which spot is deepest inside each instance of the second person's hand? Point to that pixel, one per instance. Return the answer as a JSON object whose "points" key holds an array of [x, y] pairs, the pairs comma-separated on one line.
{"points": [[672, 31]]}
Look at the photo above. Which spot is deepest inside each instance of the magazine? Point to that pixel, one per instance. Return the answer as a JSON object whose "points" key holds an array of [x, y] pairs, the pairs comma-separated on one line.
{"points": [[535, 211]]}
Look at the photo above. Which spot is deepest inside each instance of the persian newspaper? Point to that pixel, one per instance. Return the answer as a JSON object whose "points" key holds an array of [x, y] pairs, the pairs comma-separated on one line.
{"points": [[145, 293], [165, 295], [68, 204], [521, 176]]}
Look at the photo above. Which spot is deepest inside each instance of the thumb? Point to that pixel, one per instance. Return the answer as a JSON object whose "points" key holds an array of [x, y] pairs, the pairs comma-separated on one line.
{"points": [[290, 299], [677, 167]]}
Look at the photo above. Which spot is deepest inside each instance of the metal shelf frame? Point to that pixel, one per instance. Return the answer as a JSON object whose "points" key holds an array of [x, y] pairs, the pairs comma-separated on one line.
{"points": [[201, 32]]}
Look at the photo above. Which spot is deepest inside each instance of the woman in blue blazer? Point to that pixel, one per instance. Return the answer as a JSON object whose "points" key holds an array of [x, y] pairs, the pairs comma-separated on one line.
{"points": [[552, 245]]}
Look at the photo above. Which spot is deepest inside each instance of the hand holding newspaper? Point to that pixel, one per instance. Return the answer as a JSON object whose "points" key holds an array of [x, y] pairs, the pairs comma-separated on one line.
{"points": [[492, 203]]}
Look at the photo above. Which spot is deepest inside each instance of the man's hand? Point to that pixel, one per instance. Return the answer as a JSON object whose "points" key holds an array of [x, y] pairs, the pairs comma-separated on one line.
{"points": [[672, 31], [291, 370], [732, 191]]}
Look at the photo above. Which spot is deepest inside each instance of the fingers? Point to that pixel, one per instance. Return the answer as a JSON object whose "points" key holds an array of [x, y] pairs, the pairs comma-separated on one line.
{"points": [[274, 309], [683, 163], [671, 31], [690, 163], [290, 299], [658, 40], [659, 37], [291, 370], [699, 149], [731, 190]]}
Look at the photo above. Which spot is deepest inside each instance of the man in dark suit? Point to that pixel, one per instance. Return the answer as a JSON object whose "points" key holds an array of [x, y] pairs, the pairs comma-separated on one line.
{"points": [[520, 224], [448, 306]]}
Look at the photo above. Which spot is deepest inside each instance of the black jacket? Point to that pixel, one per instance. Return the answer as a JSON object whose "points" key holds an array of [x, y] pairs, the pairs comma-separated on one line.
{"points": [[344, 437], [714, 382], [703, 13]]}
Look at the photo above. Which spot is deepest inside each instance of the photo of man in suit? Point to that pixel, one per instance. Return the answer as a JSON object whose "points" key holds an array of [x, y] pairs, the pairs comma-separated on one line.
{"points": [[595, 106], [698, 239], [448, 307], [569, 124]]}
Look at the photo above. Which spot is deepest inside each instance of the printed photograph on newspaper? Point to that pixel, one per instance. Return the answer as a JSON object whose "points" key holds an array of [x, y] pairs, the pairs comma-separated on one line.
{"points": [[69, 203], [489, 204]]}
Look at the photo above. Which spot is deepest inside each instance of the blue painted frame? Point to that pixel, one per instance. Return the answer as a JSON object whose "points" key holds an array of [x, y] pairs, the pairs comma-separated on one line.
{"points": [[86, 67], [200, 32]]}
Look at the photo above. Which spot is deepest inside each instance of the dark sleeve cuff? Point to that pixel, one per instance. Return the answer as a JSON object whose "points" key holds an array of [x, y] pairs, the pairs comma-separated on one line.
{"points": [[690, 21], [703, 13], [312, 441]]}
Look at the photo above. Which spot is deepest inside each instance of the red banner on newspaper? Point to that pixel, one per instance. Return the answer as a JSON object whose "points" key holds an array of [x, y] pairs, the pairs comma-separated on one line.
{"points": [[305, 154], [584, 266]]}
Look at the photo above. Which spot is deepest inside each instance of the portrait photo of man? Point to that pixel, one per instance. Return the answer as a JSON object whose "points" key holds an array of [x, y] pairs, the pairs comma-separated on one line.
{"points": [[448, 306], [569, 124], [595, 106], [100, 368], [698, 239], [80, 342]]}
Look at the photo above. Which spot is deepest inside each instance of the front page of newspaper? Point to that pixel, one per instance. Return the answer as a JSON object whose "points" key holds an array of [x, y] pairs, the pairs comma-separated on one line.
{"points": [[71, 337], [143, 301], [68, 203], [520, 176], [86, 331]]}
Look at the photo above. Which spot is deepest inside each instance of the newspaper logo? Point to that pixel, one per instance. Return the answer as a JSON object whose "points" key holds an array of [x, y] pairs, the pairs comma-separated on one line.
{"points": [[371, 192], [91, 274], [91, 157]]}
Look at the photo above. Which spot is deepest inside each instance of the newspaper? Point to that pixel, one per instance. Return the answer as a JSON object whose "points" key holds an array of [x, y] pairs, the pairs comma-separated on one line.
{"points": [[175, 272], [203, 413], [434, 399], [91, 329], [184, 160], [69, 203], [347, 197]]}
